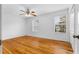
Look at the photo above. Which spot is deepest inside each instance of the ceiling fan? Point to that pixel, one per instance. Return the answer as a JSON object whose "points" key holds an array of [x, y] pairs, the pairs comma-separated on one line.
{"points": [[28, 12]]}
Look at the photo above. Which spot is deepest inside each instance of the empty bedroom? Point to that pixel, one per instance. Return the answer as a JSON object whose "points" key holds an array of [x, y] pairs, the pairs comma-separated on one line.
{"points": [[36, 29]]}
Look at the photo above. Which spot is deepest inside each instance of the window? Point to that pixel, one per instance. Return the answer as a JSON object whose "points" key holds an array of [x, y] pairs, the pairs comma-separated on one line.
{"points": [[35, 25]]}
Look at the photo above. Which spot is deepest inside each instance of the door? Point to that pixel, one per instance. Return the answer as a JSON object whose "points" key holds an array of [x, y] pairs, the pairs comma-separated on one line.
{"points": [[76, 37], [74, 28]]}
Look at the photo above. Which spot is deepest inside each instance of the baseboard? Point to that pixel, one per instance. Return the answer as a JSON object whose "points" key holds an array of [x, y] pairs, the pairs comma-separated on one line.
{"points": [[11, 37], [46, 37]]}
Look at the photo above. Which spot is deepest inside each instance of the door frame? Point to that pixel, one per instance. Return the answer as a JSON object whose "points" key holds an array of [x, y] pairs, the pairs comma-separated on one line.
{"points": [[76, 28]]}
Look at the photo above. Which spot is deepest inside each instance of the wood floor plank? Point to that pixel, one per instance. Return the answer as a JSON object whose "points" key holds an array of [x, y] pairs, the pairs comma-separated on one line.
{"points": [[35, 45]]}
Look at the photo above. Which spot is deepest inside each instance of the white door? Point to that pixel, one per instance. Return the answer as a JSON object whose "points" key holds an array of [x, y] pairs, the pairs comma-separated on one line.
{"points": [[78, 30], [74, 28]]}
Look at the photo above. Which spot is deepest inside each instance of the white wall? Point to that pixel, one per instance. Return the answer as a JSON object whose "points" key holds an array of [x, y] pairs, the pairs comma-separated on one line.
{"points": [[0, 27], [12, 24], [46, 29], [0, 21]]}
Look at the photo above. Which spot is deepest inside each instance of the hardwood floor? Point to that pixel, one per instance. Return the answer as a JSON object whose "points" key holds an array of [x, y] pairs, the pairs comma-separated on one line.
{"points": [[35, 45]]}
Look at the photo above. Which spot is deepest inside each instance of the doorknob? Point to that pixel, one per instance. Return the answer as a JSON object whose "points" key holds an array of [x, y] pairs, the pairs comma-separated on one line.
{"points": [[74, 36]]}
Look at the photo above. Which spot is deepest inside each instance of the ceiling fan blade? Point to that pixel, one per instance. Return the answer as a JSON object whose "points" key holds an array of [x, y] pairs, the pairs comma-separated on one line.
{"points": [[33, 13], [22, 10]]}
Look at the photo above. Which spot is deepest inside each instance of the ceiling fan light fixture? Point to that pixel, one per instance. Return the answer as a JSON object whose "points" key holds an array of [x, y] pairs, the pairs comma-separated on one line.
{"points": [[28, 13]]}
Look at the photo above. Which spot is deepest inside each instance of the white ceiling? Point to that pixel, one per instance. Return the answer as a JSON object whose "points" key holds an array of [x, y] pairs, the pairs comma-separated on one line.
{"points": [[40, 8], [46, 8]]}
